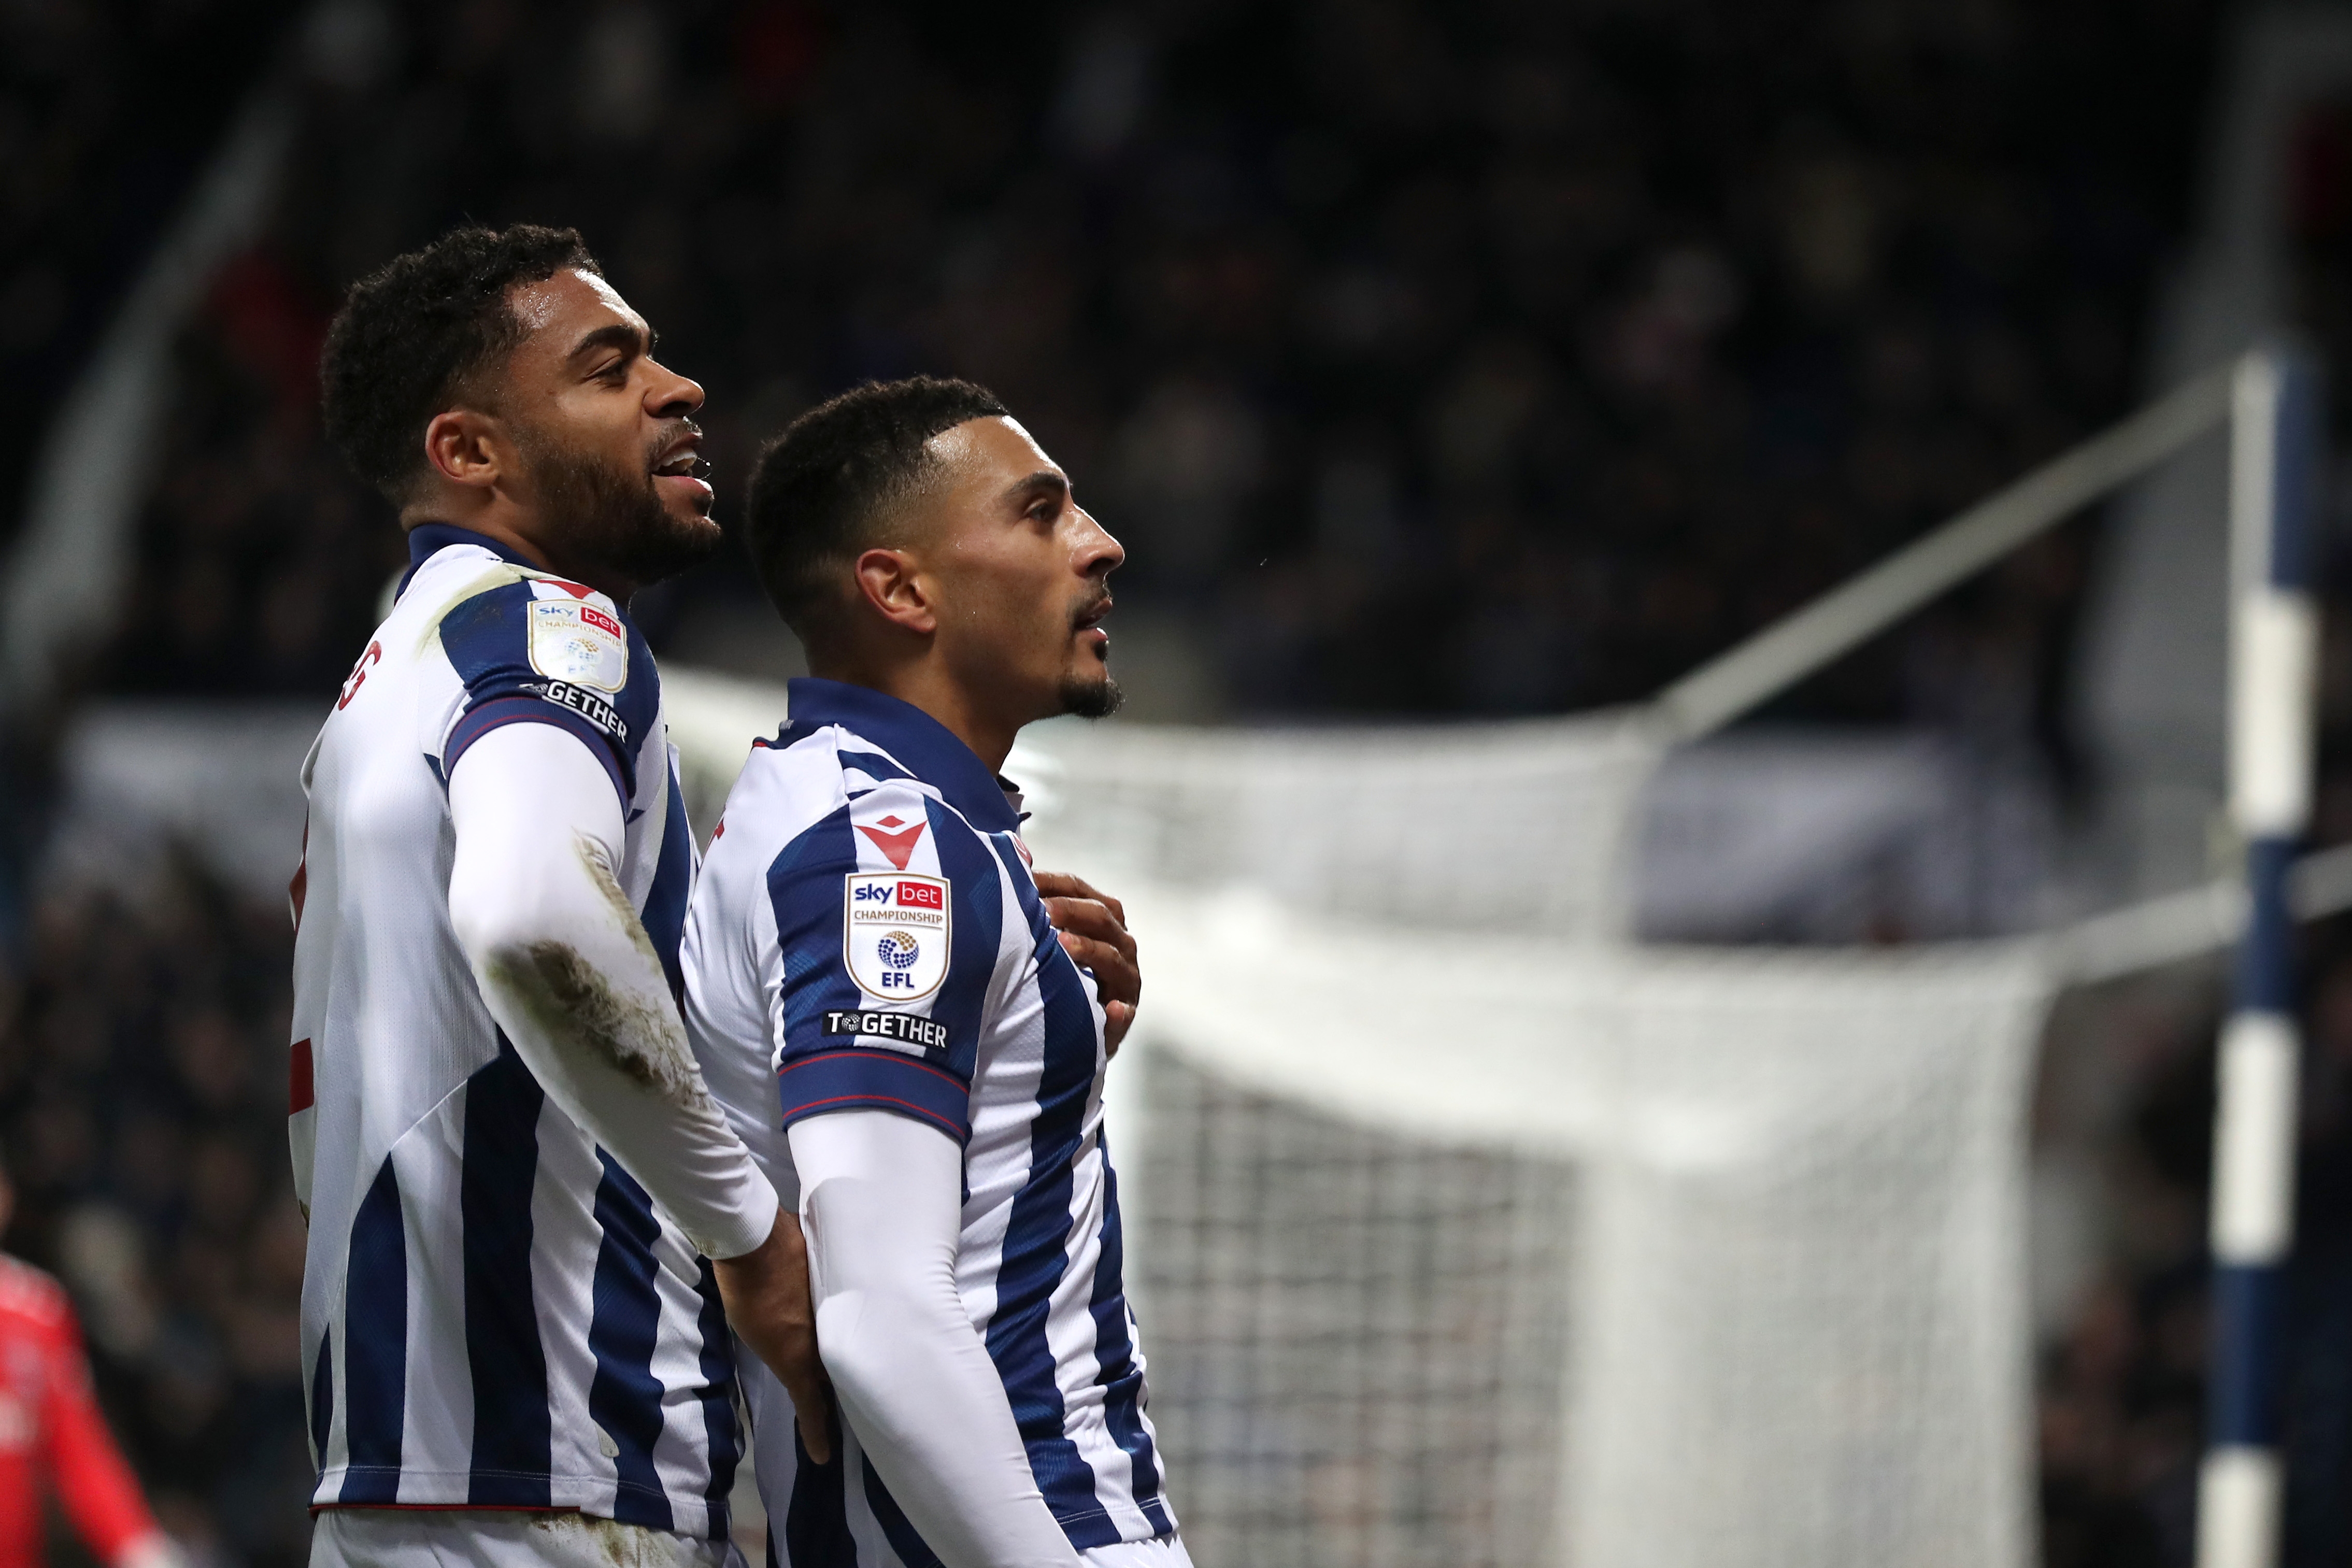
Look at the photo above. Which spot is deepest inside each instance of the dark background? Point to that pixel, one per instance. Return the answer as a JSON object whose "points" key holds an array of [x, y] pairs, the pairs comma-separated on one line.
{"points": [[1491, 357]]}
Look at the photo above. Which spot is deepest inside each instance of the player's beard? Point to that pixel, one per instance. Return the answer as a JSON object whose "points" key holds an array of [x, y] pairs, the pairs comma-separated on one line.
{"points": [[614, 519], [1091, 697]]}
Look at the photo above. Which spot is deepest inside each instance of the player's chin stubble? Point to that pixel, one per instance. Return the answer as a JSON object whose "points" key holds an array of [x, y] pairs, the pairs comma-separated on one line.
{"points": [[1096, 697], [1093, 696], [616, 519]]}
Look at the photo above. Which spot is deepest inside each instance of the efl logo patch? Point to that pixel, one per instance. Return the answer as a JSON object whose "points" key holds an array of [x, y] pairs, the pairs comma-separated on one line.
{"points": [[579, 644], [895, 1031], [894, 933]]}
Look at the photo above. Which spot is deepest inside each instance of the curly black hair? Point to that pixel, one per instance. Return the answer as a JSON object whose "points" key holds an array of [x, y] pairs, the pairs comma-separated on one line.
{"points": [[415, 336], [824, 488]]}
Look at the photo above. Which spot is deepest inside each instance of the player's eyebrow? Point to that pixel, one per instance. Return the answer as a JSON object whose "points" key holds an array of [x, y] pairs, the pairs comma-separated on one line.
{"points": [[620, 335], [1043, 482]]}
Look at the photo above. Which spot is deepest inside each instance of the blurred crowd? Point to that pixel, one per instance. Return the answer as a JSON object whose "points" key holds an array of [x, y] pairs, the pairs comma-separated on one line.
{"points": [[1571, 341], [142, 1099], [106, 108], [1496, 357]]}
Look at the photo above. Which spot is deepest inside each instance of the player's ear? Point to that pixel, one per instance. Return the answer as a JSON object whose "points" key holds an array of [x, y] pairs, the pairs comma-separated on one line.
{"points": [[893, 587], [462, 447]]}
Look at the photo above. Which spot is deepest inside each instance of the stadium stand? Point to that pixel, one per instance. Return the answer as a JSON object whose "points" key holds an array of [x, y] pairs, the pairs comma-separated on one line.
{"points": [[89, 184], [1516, 329]]}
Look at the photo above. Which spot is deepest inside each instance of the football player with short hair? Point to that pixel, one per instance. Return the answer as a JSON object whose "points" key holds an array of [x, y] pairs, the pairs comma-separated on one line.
{"points": [[878, 999], [525, 1209]]}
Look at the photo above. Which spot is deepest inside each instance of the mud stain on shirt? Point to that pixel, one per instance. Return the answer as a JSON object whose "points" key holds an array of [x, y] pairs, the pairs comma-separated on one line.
{"points": [[621, 1545], [572, 1000]]}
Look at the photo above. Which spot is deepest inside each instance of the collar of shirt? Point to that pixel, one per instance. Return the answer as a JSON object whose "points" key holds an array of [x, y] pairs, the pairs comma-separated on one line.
{"points": [[928, 749], [427, 537]]}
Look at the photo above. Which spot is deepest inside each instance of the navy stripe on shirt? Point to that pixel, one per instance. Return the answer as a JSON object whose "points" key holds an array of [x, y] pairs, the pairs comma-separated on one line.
{"points": [[897, 1528], [1036, 1242], [624, 1398], [722, 1438], [665, 911], [322, 1399], [816, 1521], [375, 1349], [977, 891], [874, 765], [512, 1432], [868, 1079], [1121, 1379]]}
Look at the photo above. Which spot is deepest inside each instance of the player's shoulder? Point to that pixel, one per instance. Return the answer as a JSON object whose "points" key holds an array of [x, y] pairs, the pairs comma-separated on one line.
{"points": [[792, 783], [532, 634], [836, 762], [29, 1295], [811, 795], [566, 629]]}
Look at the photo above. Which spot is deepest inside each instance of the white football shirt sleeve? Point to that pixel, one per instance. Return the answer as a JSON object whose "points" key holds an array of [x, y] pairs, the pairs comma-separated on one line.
{"points": [[568, 972], [881, 1204]]}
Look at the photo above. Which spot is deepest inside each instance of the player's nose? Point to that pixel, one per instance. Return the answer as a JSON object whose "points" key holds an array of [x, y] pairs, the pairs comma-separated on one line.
{"points": [[1099, 554], [670, 395]]}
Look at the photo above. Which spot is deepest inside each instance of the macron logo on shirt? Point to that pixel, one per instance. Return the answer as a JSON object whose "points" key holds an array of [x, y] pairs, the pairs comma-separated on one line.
{"points": [[898, 845]]}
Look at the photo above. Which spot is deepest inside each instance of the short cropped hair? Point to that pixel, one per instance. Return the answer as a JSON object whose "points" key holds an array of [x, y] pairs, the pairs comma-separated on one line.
{"points": [[422, 335], [825, 488]]}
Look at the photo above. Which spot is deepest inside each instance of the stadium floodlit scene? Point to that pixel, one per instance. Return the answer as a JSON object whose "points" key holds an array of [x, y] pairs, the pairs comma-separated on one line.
{"points": [[1256, 783]]}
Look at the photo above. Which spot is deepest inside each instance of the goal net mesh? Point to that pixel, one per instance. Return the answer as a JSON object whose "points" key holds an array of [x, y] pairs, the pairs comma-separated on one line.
{"points": [[1356, 1339], [1465, 1234]]}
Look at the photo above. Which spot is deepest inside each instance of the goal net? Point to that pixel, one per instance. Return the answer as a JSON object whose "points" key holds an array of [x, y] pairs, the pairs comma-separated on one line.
{"points": [[1460, 1240]]}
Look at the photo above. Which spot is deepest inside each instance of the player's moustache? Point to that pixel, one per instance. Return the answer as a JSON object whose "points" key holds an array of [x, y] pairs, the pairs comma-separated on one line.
{"points": [[1091, 611], [659, 447]]}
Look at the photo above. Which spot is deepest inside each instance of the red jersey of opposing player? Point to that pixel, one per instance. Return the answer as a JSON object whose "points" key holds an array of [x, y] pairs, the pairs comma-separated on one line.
{"points": [[53, 1439]]}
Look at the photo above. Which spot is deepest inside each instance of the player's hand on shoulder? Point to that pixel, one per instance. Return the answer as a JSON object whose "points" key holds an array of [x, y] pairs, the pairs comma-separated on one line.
{"points": [[1094, 932]]}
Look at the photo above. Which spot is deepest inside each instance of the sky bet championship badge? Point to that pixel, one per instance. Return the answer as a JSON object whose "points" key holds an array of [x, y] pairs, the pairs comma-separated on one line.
{"points": [[895, 934], [578, 643]]}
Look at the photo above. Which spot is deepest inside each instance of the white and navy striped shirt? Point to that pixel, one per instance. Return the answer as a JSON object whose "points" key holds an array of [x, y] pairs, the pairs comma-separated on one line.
{"points": [[494, 1313], [865, 935]]}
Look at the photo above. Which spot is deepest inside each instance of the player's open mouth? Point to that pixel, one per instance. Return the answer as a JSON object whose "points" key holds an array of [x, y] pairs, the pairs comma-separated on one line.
{"points": [[683, 466], [1085, 623]]}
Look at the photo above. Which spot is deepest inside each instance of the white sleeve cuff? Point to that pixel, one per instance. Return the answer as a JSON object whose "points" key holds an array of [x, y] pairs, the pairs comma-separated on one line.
{"points": [[745, 1226]]}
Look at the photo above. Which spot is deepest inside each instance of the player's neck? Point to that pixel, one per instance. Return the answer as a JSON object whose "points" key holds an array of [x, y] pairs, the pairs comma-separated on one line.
{"points": [[491, 525], [924, 684]]}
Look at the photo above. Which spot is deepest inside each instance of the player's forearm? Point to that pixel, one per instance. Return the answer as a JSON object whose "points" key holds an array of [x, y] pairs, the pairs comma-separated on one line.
{"points": [[566, 969], [916, 1390], [881, 1204]]}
